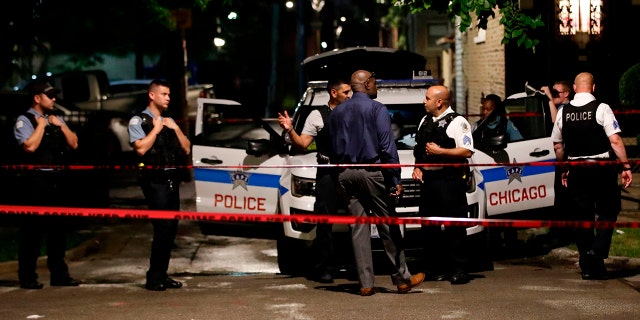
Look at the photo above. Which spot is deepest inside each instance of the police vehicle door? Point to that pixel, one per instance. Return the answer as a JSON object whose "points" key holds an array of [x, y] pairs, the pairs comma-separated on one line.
{"points": [[231, 177], [527, 181]]}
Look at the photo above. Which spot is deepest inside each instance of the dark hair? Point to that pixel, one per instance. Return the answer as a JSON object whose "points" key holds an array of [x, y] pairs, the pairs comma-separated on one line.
{"points": [[335, 84], [158, 82], [499, 105]]}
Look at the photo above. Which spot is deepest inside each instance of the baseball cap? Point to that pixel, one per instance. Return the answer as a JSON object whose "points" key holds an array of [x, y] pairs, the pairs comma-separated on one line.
{"points": [[40, 86]]}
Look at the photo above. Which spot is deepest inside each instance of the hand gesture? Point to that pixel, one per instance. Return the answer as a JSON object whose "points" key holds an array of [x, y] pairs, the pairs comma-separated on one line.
{"points": [[285, 121]]}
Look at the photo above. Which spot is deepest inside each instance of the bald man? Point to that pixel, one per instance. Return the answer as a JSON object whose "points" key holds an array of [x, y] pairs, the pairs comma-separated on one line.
{"points": [[361, 134], [443, 137], [587, 132]]}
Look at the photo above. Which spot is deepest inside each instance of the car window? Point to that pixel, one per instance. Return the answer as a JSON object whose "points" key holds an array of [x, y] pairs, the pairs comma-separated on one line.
{"points": [[530, 116]]}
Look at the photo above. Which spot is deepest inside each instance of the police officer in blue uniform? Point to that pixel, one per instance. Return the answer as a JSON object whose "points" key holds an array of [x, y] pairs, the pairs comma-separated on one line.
{"points": [[443, 137], [162, 149], [586, 131], [44, 141]]}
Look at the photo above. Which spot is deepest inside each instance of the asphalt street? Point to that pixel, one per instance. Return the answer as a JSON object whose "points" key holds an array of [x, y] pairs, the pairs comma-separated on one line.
{"points": [[237, 278]]}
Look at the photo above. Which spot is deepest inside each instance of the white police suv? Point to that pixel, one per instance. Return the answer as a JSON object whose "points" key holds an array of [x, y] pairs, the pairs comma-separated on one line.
{"points": [[245, 165]]}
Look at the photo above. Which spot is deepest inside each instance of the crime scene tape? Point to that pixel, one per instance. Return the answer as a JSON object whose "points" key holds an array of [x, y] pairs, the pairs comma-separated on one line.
{"points": [[577, 163], [302, 218]]}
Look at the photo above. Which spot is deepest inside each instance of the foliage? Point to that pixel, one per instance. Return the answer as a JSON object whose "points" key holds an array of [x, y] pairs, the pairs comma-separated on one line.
{"points": [[629, 84], [516, 23], [33, 29]]}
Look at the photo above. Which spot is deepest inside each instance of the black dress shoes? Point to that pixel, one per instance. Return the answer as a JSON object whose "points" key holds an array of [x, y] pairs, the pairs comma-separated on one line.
{"points": [[155, 286], [172, 284], [65, 282], [459, 278], [324, 277], [594, 276], [168, 283], [592, 267], [436, 276], [32, 284]]}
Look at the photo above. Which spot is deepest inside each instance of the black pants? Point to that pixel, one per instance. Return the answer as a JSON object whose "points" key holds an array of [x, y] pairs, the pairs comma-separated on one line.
{"points": [[161, 195], [327, 203], [594, 195], [445, 248], [43, 189]]}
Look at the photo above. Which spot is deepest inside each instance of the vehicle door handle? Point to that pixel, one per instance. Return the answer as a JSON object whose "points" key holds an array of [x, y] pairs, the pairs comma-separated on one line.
{"points": [[211, 161], [539, 153]]}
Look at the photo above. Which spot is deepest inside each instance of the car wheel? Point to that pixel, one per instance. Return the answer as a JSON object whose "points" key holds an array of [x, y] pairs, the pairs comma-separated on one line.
{"points": [[293, 256], [480, 253]]}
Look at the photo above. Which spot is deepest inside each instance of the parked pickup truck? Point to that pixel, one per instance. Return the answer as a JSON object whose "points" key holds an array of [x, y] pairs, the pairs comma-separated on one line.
{"points": [[115, 102]]}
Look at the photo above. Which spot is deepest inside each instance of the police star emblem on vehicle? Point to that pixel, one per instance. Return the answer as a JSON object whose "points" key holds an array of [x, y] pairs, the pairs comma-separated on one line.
{"points": [[514, 173], [239, 179]]}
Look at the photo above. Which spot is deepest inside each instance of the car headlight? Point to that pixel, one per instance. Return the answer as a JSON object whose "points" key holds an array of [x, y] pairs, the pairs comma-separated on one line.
{"points": [[302, 187]]}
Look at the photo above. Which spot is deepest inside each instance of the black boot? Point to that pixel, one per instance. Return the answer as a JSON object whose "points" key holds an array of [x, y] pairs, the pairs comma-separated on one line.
{"points": [[592, 267]]}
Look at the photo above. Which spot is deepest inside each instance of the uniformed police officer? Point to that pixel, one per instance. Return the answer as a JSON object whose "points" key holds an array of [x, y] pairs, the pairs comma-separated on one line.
{"points": [[586, 130], [162, 149], [326, 178], [443, 137], [47, 142]]}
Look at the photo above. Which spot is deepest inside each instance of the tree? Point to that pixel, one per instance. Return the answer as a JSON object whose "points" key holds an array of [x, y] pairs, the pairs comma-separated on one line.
{"points": [[516, 23]]}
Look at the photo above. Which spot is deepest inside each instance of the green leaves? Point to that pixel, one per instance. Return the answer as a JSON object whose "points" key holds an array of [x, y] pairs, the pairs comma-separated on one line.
{"points": [[517, 25]]}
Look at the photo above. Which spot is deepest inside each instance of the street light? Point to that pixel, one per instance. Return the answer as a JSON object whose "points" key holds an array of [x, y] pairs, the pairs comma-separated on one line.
{"points": [[218, 42]]}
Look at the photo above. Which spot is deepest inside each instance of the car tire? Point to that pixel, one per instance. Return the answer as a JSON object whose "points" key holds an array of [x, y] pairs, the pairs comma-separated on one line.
{"points": [[293, 256], [481, 257]]}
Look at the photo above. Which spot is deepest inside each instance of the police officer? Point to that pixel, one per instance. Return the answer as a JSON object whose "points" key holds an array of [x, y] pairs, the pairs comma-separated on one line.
{"points": [[443, 137], [162, 149], [44, 140], [326, 186], [586, 130]]}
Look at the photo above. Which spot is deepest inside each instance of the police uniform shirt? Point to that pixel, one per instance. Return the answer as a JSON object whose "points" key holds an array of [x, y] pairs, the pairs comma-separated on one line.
{"points": [[135, 126], [24, 128], [459, 130], [313, 124], [604, 117]]}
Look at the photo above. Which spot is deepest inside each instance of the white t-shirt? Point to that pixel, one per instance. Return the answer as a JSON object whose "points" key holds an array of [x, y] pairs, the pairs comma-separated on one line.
{"points": [[313, 124]]}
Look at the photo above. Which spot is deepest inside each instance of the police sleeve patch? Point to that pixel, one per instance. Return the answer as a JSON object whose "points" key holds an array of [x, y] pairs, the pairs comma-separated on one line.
{"points": [[465, 127], [134, 121], [466, 140], [19, 124]]}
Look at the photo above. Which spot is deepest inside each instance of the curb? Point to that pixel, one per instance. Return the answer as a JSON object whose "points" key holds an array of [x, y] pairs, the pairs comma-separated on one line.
{"points": [[82, 250]]}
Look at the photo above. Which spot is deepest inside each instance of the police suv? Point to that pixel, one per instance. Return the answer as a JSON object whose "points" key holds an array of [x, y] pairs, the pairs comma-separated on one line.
{"points": [[244, 165]]}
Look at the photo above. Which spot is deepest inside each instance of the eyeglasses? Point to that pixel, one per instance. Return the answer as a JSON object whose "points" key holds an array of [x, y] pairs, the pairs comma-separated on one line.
{"points": [[373, 75]]}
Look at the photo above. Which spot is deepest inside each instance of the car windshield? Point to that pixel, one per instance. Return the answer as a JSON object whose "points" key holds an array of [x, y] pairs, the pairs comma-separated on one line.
{"points": [[228, 126]]}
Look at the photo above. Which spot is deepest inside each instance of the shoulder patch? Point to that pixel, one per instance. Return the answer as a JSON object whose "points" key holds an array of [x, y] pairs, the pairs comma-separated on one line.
{"points": [[466, 140], [134, 121], [19, 124], [465, 128]]}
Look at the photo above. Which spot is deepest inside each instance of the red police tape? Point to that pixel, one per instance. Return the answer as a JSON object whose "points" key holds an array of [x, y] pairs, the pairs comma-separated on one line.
{"points": [[21, 167], [308, 218], [279, 218]]}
